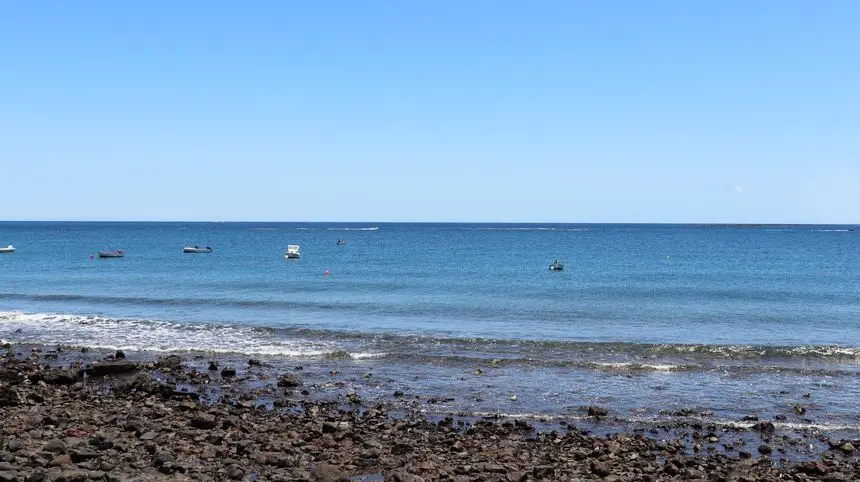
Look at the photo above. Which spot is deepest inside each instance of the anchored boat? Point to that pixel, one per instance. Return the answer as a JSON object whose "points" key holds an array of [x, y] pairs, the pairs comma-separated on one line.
{"points": [[112, 254], [196, 249], [8, 249], [292, 252]]}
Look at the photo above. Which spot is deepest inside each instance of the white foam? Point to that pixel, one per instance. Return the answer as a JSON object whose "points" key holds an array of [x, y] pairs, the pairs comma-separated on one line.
{"points": [[158, 336], [637, 366]]}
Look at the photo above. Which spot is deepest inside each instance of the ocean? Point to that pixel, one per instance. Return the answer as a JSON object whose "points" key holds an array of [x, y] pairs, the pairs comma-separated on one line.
{"points": [[717, 322]]}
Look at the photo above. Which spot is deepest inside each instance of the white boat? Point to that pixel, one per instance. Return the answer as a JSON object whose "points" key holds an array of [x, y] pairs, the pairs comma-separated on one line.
{"points": [[292, 252], [556, 266], [196, 249], [8, 249]]}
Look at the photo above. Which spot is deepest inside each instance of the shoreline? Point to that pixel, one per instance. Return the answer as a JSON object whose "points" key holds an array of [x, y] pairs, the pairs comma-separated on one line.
{"points": [[79, 414]]}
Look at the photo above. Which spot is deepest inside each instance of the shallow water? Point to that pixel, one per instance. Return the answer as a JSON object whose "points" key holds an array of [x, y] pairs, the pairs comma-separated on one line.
{"points": [[723, 320]]}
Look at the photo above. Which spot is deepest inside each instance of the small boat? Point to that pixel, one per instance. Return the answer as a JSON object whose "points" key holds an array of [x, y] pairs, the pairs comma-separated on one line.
{"points": [[292, 252], [556, 266], [8, 249], [112, 254], [196, 249], [341, 242]]}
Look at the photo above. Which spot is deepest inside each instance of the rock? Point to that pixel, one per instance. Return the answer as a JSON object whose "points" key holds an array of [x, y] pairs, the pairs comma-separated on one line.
{"points": [[163, 457], [7, 467], [743, 454], [119, 355], [766, 428], [9, 397], [398, 394], [96, 475], [328, 473], [55, 446], [228, 372], [14, 445], [354, 398], [61, 460], [815, 468], [81, 455], [37, 475], [203, 421], [169, 362], [117, 367], [749, 418], [847, 448], [8, 476], [289, 380], [68, 476], [595, 411], [600, 469], [800, 410], [213, 366], [253, 362], [235, 472], [765, 449]]}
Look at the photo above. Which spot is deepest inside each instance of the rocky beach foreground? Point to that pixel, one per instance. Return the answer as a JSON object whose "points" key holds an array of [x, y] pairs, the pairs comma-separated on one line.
{"points": [[83, 415]]}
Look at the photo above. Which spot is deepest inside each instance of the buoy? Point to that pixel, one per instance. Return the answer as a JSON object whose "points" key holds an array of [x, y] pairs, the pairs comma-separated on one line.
{"points": [[327, 273], [91, 256]]}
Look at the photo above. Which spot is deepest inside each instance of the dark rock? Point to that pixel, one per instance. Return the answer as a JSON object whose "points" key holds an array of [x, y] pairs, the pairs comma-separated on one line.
{"points": [[203, 421], [812, 468], [14, 445], [119, 355], [81, 455], [37, 475], [743, 454], [235, 472], [58, 377], [169, 362], [253, 362], [765, 449], [354, 398], [398, 394], [766, 428], [96, 475], [749, 418], [9, 397], [117, 367], [68, 476], [163, 457], [228, 372], [213, 366], [289, 380], [595, 411], [601, 469]]}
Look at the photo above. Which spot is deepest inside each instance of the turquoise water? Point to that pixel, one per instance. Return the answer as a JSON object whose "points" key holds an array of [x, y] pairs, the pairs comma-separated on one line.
{"points": [[700, 312]]}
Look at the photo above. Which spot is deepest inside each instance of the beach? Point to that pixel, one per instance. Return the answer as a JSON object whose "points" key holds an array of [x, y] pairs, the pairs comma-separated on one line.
{"points": [[85, 414]]}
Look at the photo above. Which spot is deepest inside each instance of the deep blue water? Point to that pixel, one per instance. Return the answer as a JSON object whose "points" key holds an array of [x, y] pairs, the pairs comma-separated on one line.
{"points": [[678, 306]]}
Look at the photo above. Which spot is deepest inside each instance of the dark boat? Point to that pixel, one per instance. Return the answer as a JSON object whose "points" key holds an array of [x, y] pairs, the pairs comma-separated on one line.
{"points": [[556, 266], [112, 254], [196, 249]]}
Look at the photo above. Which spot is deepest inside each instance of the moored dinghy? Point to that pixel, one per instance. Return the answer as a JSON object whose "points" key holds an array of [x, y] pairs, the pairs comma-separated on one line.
{"points": [[8, 249], [556, 266], [292, 252], [196, 249], [112, 254]]}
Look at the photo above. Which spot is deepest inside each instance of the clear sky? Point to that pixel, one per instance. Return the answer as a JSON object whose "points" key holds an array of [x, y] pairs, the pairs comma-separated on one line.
{"points": [[477, 110]]}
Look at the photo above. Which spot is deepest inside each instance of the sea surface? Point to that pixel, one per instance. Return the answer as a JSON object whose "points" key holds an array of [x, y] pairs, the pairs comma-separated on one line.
{"points": [[714, 321]]}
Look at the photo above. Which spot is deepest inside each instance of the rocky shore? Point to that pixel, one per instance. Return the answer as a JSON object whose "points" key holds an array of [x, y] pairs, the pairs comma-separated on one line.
{"points": [[81, 415]]}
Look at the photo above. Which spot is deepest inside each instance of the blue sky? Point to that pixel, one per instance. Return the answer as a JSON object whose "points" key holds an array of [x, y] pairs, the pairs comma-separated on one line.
{"points": [[479, 110]]}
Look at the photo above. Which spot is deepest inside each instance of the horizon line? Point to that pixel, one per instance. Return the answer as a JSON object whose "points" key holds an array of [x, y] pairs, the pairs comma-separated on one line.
{"points": [[696, 223]]}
